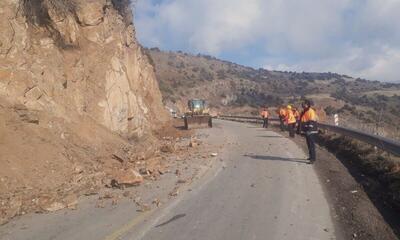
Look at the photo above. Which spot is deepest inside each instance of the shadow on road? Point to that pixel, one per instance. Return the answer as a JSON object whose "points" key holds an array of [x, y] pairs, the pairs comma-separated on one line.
{"points": [[176, 217], [276, 158]]}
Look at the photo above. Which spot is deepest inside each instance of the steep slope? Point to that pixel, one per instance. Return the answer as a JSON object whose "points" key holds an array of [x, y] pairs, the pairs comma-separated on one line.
{"points": [[75, 88], [229, 87]]}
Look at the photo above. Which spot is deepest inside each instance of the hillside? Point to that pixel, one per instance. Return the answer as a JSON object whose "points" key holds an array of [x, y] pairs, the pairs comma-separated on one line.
{"points": [[75, 90], [229, 87]]}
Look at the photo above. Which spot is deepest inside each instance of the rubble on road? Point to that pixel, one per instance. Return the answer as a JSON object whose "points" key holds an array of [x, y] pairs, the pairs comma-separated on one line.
{"points": [[174, 192], [168, 148], [117, 170], [126, 178]]}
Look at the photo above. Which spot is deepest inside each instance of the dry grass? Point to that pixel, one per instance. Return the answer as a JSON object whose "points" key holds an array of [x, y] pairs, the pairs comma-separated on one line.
{"points": [[37, 13]]}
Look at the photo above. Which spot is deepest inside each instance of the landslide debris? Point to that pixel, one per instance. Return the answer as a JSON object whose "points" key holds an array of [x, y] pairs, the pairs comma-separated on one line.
{"points": [[79, 102]]}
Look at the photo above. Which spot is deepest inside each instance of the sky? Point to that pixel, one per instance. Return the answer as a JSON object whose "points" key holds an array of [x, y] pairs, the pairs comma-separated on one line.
{"points": [[360, 38]]}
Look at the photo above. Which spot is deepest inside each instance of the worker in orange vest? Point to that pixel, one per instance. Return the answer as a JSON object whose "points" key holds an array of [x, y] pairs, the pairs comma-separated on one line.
{"points": [[309, 126], [297, 116], [282, 116], [290, 120], [265, 115]]}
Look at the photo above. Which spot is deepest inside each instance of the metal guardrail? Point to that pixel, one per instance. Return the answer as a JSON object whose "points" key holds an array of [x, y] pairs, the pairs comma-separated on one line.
{"points": [[385, 144]]}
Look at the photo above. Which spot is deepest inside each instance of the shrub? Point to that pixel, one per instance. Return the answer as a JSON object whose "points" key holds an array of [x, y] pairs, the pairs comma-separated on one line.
{"points": [[36, 13]]}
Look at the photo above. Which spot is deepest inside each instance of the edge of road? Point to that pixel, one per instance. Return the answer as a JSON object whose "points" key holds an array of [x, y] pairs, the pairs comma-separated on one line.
{"points": [[353, 213]]}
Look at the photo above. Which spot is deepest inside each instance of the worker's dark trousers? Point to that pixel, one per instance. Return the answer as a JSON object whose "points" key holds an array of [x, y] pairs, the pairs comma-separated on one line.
{"points": [[298, 127], [265, 122], [282, 124], [291, 127], [311, 145]]}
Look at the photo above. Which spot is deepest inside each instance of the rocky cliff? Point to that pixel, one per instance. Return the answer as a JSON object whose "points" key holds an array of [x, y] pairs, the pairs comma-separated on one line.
{"points": [[77, 60], [75, 88]]}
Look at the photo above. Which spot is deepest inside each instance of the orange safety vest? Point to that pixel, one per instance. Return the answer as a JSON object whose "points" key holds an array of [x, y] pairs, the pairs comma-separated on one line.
{"points": [[309, 115], [264, 114], [296, 114], [282, 112], [290, 118]]}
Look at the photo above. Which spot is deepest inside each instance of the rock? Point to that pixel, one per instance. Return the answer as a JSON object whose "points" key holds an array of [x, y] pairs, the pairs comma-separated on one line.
{"points": [[137, 200], [101, 94], [144, 208], [193, 143], [174, 192], [54, 206], [169, 148], [33, 94], [214, 154], [180, 181], [144, 171], [10, 210], [78, 169], [91, 13], [118, 157], [157, 202], [71, 201], [26, 115], [127, 178], [106, 195], [100, 204]]}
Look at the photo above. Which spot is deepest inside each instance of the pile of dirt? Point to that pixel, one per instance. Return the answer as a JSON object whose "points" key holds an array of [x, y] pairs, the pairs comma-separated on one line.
{"points": [[79, 102]]}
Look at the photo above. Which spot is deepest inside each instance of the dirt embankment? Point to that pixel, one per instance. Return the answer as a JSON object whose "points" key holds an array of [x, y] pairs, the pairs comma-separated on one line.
{"points": [[378, 178], [79, 102]]}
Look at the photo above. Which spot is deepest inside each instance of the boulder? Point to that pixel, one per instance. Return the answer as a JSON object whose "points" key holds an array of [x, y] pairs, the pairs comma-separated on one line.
{"points": [[168, 148], [127, 178], [10, 210]]}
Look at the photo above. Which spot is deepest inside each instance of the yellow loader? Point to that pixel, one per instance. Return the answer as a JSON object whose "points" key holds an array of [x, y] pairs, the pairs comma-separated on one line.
{"points": [[198, 115]]}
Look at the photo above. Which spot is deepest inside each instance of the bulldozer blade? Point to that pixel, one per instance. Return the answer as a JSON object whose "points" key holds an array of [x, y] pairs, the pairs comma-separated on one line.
{"points": [[192, 122]]}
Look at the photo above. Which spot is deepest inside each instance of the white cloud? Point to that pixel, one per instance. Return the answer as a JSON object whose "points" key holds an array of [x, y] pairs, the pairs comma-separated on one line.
{"points": [[357, 37]]}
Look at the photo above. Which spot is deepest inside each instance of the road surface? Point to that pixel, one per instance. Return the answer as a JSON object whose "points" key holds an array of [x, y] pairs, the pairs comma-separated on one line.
{"points": [[262, 188]]}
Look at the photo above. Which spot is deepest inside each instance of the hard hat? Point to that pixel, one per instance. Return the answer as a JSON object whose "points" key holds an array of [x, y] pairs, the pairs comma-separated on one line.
{"points": [[289, 107]]}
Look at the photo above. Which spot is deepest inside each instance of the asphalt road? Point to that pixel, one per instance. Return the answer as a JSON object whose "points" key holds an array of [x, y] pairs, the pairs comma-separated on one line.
{"points": [[262, 188], [266, 190]]}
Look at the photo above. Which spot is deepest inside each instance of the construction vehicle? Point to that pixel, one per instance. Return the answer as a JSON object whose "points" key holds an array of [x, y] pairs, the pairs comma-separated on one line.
{"points": [[198, 115]]}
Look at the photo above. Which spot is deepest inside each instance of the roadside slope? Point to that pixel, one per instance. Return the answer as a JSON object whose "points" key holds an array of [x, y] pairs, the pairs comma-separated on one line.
{"points": [[75, 90]]}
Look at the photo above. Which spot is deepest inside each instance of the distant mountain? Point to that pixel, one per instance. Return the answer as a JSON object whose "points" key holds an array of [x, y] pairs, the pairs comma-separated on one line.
{"points": [[230, 87]]}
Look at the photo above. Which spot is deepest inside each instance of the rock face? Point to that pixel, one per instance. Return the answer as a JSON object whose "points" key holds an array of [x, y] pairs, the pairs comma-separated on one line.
{"points": [[75, 87], [88, 63]]}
